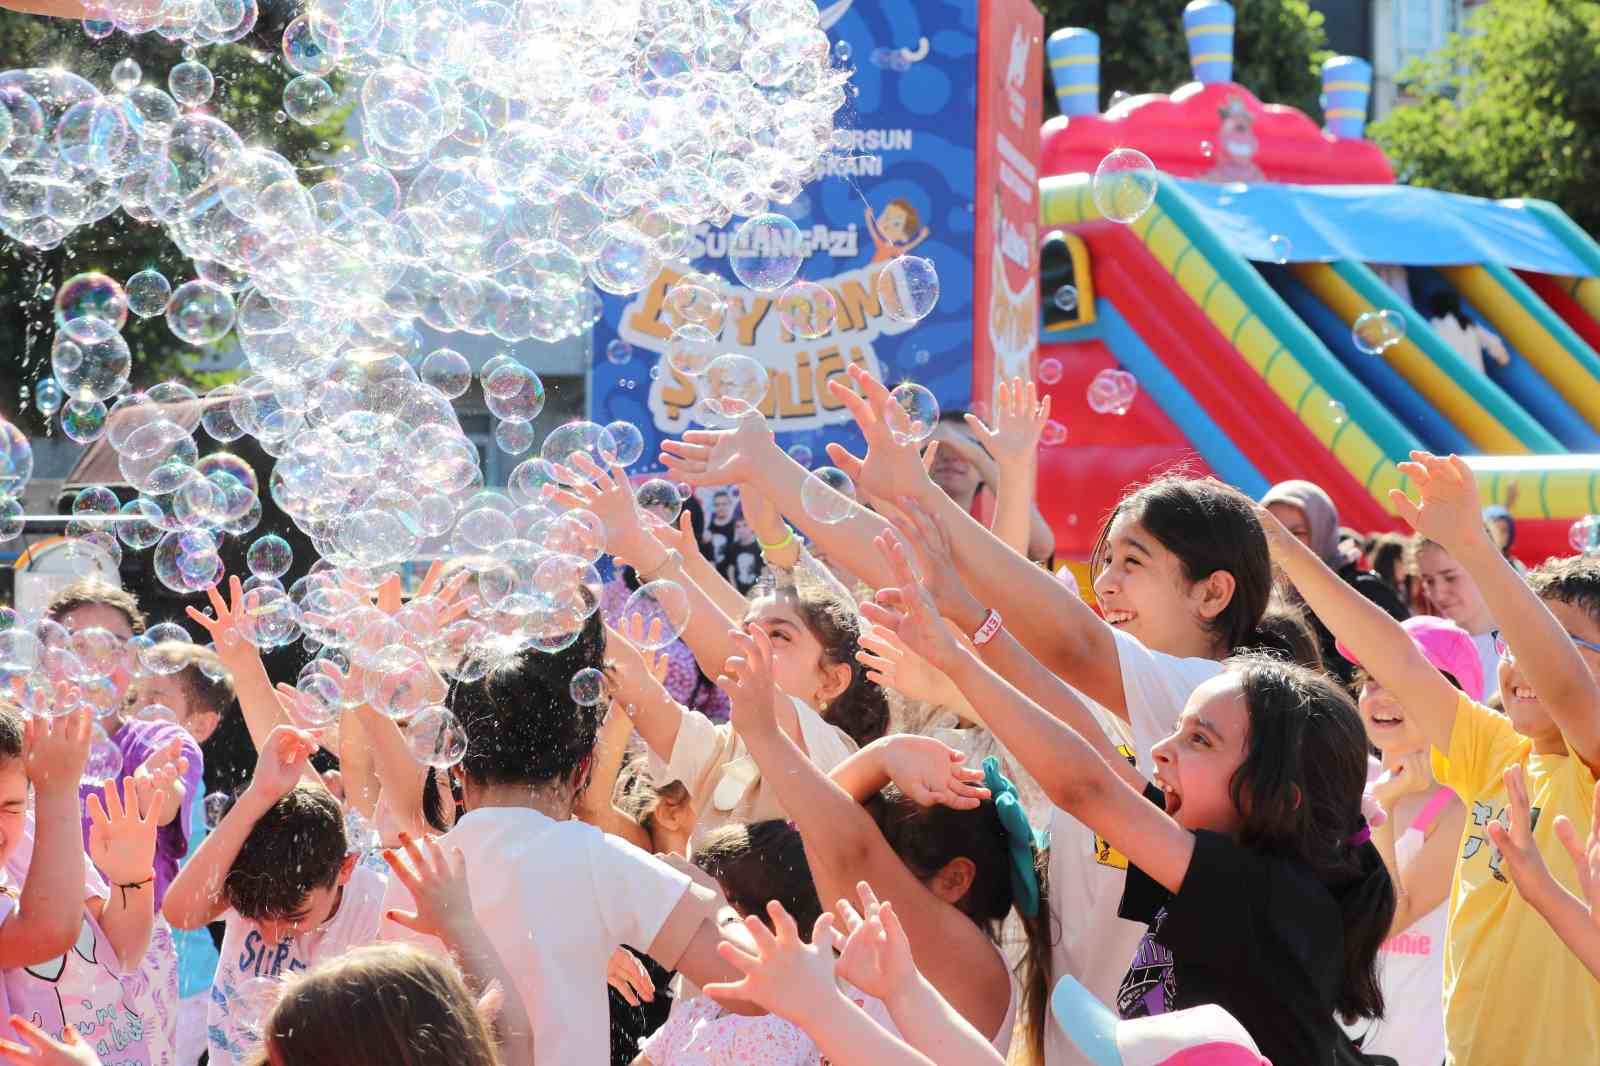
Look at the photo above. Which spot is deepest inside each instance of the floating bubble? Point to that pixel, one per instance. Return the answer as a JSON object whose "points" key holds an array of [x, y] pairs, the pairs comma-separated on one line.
{"points": [[319, 701], [908, 288], [1112, 392], [733, 385], [105, 759], [163, 650], [565, 443], [200, 312], [448, 371], [1124, 185], [660, 501], [663, 606], [436, 738], [309, 100], [141, 525], [47, 397], [914, 414], [806, 309], [399, 682], [1049, 371], [1583, 535], [1336, 412], [91, 370], [618, 351], [629, 441], [1280, 248], [689, 361], [766, 252], [84, 422], [828, 495], [588, 687], [514, 392], [1378, 331], [148, 293], [89, 306], [1053, 435], [190, 83], [513, 435], [126, 74], [16, 459], [801, 454], [695, 309], [1066, 299], [11, 520], [269, 556]]}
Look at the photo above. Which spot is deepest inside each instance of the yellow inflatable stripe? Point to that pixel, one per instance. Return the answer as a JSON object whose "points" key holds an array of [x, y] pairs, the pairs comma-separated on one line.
{"points": [[1074, 61], [1076, 90], [1412, 364], [1341, 86], [1564, 373]]}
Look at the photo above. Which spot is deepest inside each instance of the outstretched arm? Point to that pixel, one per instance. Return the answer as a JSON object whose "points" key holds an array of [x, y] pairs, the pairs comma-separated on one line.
{"points": [[1019, 421], [1449, 512]]}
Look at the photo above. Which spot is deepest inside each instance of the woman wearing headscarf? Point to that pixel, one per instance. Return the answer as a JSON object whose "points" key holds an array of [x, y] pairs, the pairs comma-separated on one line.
{"points": [[1309, 514]]}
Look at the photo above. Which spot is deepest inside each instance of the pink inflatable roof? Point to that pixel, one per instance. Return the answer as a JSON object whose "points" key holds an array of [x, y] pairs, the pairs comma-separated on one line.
{"points": [[1184, 134]]}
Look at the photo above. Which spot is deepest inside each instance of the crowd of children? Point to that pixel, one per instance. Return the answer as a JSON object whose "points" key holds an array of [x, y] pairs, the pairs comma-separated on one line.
{"points": [[1260, 803]]}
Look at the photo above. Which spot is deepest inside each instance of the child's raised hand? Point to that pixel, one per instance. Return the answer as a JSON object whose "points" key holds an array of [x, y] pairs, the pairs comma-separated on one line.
{"points": [[610, 496], [1517, 849], [223, 625], [724, 456], [890, 664], [1448, 509], [1585, 856], [122, 842], [925, 534], [890, 467], [906, 609], [1019, 420], [55, 750], [158, 775], [39, 1048], [281, 762], [785, 976], [1280, 542], [747, 679], [931, 772], [438, 885], [876, 957], [1412, 774], [626, 974]]}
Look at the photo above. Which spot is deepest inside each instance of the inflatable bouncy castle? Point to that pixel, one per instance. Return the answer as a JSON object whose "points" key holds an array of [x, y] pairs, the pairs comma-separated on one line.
{"points": [[1237, 300]]}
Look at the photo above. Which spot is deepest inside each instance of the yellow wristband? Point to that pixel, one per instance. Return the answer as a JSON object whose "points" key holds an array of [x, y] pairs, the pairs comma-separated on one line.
{"points": [[784, 543]]}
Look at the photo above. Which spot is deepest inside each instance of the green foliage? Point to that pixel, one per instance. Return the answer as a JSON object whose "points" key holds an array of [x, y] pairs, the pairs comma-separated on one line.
{"points": [[248, 96], [1279, 46], [1509, 108]]}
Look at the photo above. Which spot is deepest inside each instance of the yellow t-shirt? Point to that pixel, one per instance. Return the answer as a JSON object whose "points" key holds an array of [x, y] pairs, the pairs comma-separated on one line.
{"points": [[1513, 992]]}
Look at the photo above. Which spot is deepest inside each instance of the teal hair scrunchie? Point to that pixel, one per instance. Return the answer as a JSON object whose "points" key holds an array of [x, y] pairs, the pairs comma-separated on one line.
{"points": [[1020, 838]]}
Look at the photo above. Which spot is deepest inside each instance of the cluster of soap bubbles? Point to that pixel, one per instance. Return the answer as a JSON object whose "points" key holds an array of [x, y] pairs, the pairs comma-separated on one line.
{"points": [[1375, 332], [1112, 392], [196, 22], [1584, 535]]}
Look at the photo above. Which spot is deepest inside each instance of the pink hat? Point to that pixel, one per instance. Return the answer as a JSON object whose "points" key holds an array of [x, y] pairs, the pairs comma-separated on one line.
{"points": [[1447, 646], [1199, 1036]]}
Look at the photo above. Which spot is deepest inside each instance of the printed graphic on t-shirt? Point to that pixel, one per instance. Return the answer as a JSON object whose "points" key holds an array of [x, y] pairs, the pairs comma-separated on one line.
{"points": [[1104, 853], [1150, 986], [1479, 843], [79, 989]]}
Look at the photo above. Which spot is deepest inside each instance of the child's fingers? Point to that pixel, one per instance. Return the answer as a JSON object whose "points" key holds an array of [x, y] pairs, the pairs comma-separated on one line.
{"points": [[869, 898], [1408, 511], [845, 460], [783, 922], [1567, 833], [97, 811], [978, 425], [848, 916], [930, 454], [894, 932], [823, 934]]}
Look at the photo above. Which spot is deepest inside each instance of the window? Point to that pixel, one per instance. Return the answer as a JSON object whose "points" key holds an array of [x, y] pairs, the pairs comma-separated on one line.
{"points": [[1421, 26]]}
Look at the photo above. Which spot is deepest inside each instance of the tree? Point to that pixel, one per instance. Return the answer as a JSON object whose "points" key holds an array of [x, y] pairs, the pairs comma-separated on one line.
{"points": [[1279, 46], [248, 93], [1509, 108]]}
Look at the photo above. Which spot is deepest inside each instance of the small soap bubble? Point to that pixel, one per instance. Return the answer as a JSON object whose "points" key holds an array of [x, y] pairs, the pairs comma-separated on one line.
{"points": [[1066, 299], [618, 351], [1336, 412], [1375, 332], [915, 413], [1112, 392], [660, 501], [801, 454], [629, 441], [270, 556], [1584, 535], [1053, 435], [448, 371], [663, 609], [190, 83], [513, 435], [216, 805], [148, 293], [828, 495], [436, 738], [908, 288], [588, 687], [125, 74], [1281, 248], [806, 309], [766, 252], [734, 385], [1049, 371], [1124, 185]]}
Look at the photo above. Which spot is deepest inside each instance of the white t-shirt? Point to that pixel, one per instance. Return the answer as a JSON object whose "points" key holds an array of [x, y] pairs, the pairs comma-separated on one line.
{"points": [[1490, 659], [556, 899], [248, 972], [1087, 875]]}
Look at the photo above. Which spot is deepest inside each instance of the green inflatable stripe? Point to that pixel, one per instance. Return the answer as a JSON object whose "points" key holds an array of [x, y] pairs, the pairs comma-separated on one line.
{"points": [[1500, 407], [1391, 437]]}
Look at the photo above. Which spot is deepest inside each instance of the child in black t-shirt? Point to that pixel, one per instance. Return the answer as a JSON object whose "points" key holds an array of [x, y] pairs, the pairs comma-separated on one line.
{"points": [[1248, 858], [742, 564]]}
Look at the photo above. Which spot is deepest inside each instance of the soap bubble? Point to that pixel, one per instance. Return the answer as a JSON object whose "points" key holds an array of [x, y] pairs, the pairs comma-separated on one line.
{"points": [[618, 351], [1584, 535], [448, 371], [734, 385], [1049, 370], [91, 370], [1377, 331], [695, 308], [163, 650], [436, 738], [190, 83], [47, 396], [908, 288], [828, 495], [1280, 247], [663, 606], [1053, 435], [1066, 299], [514, 392], [148, 293], [318, 699], [806, 309], [1112, 392], [801, 454], [269, 556], [765, 252], [216, 805], [200, 312], [914, 414], [1124, 185], [105, 759], [89, 306], [309, 100], [629, 441], [688, 360], [11, 520], [565, 443], [82, 421], [16, 459], [399, 682], [660, 500], [513, 435], [126, 74], [588, 687]]}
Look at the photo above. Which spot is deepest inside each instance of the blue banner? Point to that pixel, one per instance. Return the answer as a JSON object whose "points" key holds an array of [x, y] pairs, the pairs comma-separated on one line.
{"points": [[903, 184]]}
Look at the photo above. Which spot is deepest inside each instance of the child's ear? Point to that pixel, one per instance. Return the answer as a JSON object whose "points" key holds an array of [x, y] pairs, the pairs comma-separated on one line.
{"points": [[954, 879], [837, 679], [347, 868], [1214, 593]]}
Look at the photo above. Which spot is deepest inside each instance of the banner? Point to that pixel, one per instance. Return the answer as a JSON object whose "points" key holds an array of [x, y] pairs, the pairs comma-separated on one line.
{"points": [[904, 183]]}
